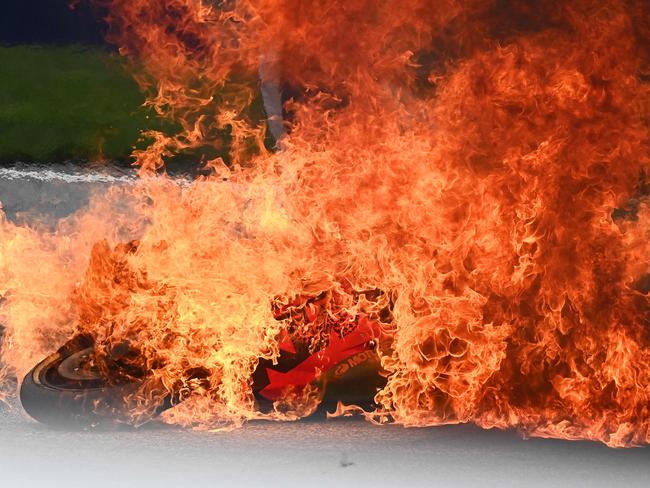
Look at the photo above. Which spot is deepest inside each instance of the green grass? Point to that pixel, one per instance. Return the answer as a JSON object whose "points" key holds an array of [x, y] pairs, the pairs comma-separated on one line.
{"points": [[59, 103], [62, 103]]}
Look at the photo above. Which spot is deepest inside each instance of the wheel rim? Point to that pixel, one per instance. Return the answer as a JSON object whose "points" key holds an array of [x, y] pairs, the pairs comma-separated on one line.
{"points": [[70, 372]]}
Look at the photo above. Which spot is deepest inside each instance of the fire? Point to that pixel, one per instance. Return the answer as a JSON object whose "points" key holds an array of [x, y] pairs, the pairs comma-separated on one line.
{"points": [[482, 164]]}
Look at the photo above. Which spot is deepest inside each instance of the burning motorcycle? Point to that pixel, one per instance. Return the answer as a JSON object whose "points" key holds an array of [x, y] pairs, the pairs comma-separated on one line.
{"points": [[86, 383]]}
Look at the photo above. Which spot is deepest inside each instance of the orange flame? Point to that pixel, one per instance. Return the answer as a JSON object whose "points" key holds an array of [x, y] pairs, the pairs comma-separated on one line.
{"points": [[481, 162]]}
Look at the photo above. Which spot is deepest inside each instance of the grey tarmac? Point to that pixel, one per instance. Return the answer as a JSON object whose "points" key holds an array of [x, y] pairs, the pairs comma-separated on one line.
{"points": [[330, 453]]}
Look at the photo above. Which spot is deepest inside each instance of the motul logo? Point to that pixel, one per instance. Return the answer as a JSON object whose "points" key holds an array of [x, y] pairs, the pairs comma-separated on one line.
{"points": [[353, 362]]}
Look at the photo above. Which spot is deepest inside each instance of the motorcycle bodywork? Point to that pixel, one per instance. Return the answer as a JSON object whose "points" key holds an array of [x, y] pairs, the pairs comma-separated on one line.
{"points": [[68, 387]]}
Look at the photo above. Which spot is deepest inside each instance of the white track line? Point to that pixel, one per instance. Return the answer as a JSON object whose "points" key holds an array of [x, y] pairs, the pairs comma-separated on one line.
{"points": [[49, 175]]}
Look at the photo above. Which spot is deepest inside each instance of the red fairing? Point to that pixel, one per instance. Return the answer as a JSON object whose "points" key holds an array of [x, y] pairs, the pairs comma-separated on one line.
{"points": [[338, 350]]}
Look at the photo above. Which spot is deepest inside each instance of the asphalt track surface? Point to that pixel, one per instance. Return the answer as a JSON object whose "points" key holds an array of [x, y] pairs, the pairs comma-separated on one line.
{"points": [[334, 453]]}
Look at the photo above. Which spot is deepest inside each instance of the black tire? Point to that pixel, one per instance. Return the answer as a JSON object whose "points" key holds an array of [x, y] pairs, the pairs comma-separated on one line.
{"points": [[58, 392]]}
